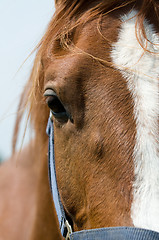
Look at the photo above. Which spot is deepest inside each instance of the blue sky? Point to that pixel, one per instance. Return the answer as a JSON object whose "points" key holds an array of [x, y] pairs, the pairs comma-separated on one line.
{"points": [[22, 24]]}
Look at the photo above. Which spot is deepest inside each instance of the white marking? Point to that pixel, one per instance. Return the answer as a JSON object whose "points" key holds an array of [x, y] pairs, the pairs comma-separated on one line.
{"points": [[141, 70]]}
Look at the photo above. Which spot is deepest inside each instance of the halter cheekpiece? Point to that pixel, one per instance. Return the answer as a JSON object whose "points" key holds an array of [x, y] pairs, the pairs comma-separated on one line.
{"points": [[114, 233]]}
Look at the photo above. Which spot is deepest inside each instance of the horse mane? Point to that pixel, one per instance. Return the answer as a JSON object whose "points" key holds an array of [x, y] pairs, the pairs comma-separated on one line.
{"points": [[68, 15]]}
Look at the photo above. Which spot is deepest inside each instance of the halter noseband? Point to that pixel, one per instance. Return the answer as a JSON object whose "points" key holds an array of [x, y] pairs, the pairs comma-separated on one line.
{"points": [[114, 233]]}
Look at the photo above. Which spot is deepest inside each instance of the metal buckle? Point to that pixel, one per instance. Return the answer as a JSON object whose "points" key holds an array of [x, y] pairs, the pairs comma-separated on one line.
{"points": [[69, 230]]}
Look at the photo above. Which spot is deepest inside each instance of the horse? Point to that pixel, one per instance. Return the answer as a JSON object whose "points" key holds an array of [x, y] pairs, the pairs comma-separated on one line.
{"points": [[96, 70]]}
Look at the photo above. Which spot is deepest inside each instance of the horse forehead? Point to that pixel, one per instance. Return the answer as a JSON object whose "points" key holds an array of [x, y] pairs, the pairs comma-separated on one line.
{"points": [[68, 68], [99, 32], [91, 39]]}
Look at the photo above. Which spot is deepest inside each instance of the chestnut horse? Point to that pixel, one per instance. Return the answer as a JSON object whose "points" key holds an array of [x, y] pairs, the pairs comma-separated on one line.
{"points": [[97, 66]]}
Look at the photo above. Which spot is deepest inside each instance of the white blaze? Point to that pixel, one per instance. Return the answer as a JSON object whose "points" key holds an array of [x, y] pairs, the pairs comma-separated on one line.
{"points": [[141, 71]]}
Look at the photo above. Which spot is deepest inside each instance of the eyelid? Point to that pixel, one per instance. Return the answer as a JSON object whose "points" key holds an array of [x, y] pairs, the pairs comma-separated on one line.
{"points": [[49, 92]]}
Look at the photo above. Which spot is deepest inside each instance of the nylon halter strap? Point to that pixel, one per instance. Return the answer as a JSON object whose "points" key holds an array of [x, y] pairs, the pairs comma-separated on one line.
{"points": [[115, 233], [63, 223]]}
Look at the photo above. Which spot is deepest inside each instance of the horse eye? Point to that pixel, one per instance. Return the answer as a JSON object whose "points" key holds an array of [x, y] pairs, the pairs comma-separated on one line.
{"points": [[55, 105]]}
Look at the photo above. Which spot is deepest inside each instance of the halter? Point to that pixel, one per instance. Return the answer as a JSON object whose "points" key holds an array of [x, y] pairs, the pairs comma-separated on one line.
{"points": [[114, 233]]}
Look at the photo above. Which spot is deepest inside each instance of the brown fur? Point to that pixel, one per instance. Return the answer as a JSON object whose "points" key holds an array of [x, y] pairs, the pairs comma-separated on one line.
{"points": [[94, 154]]}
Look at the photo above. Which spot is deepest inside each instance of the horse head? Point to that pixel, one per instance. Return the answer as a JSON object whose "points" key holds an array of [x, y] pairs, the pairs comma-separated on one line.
{"points": [[97, 71]]}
